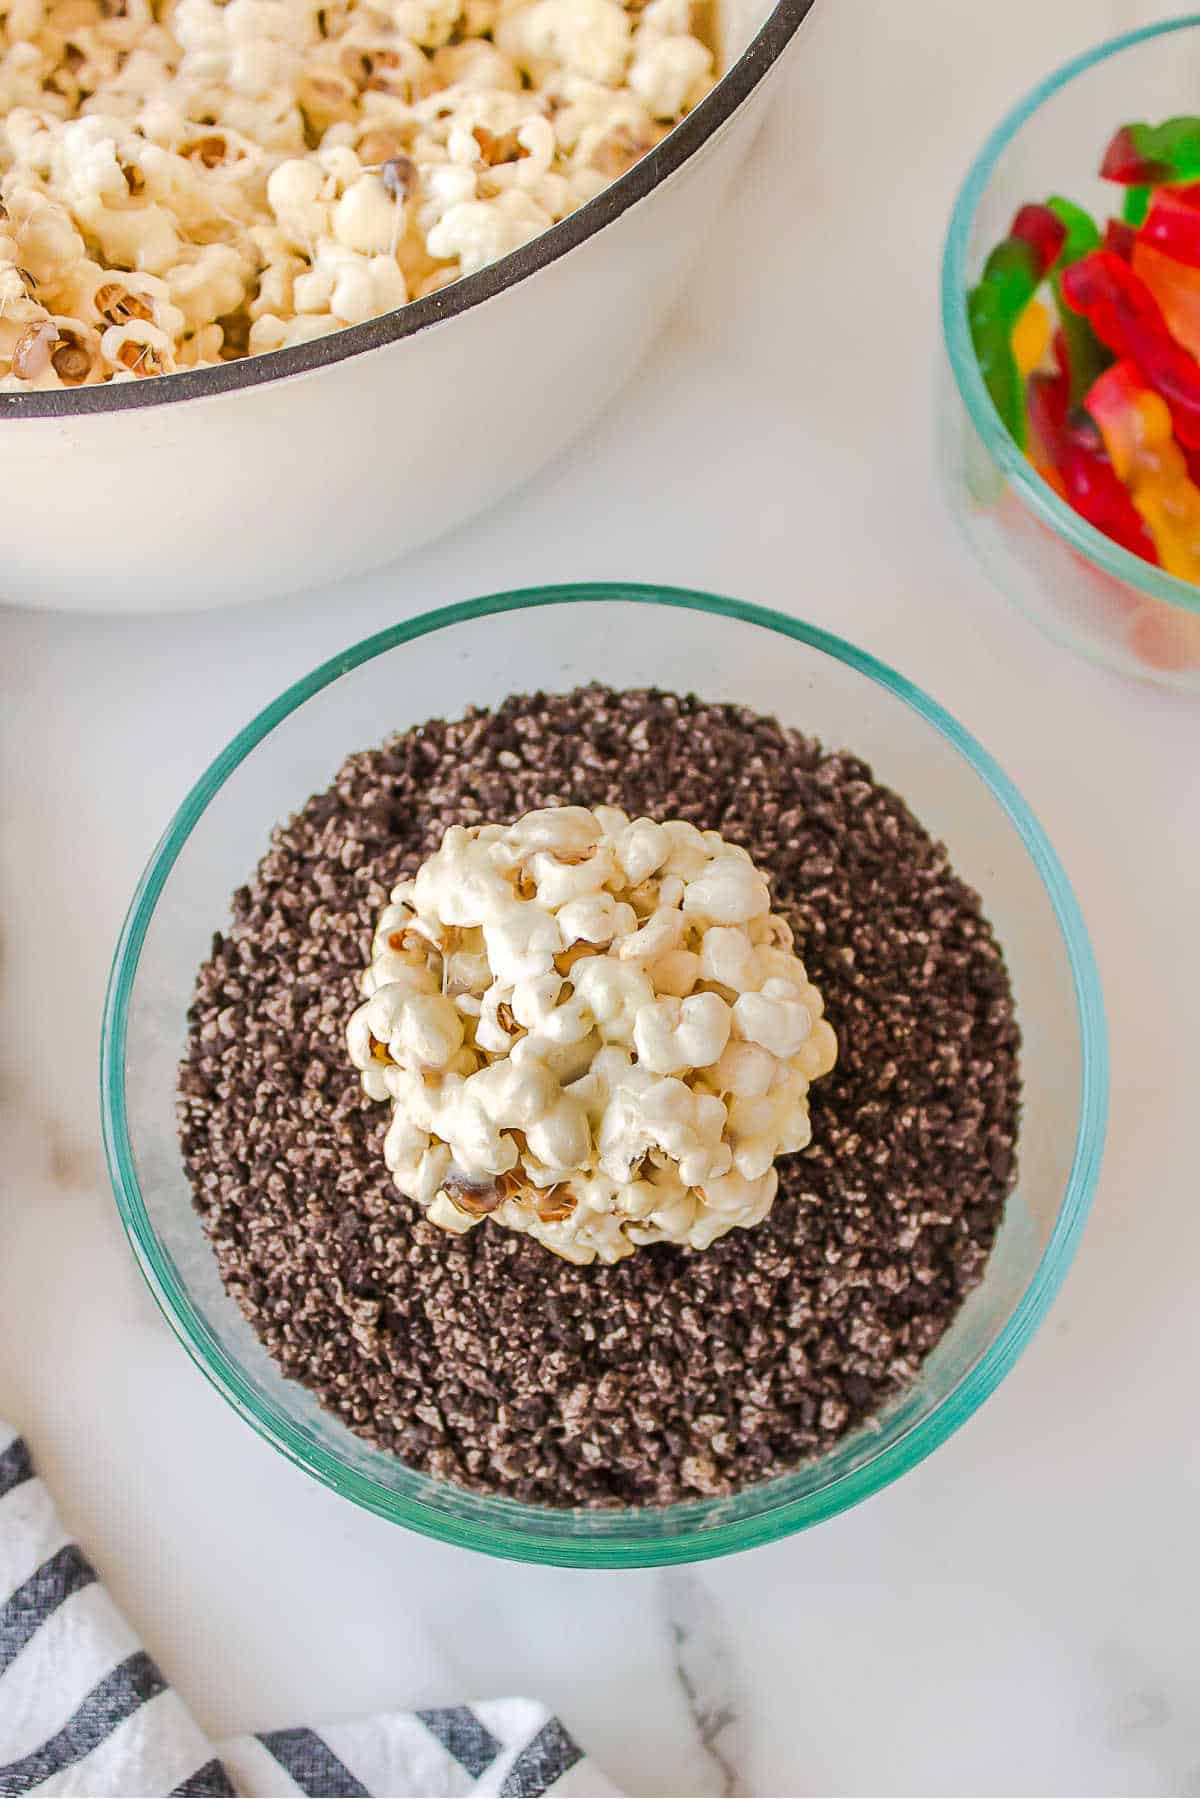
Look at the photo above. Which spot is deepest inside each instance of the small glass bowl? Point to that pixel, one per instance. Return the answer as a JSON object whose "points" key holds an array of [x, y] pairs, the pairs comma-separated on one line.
{"points": [[1076, 583], [556, 639]]}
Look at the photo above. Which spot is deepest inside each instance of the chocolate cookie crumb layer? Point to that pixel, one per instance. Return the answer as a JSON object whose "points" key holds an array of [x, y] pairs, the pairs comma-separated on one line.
{"points": [[674, 1374]]}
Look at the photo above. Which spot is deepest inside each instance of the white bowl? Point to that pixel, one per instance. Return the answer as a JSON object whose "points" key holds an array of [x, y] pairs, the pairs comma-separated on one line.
{"points": [[277, 472]]}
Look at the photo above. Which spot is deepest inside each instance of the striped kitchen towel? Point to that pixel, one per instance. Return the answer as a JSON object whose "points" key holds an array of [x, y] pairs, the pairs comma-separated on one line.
{"points": [[84, 1710]]}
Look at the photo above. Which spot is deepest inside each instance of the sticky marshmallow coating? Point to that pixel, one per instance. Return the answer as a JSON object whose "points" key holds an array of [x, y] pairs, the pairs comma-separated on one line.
{"points": [[184, 182], [592, 1029]]}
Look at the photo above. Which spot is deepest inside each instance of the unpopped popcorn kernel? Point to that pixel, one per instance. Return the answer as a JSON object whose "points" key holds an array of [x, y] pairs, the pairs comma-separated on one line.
{"points": [[538, 1021], [29, 355]]}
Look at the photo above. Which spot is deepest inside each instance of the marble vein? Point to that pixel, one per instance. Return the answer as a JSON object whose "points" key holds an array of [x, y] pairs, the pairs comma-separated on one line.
{"points": [[707, 1674]]}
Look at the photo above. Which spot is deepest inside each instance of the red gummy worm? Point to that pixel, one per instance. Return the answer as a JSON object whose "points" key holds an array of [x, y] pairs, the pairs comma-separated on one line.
{"points": [[1076, 449], [1114, 393], [1048, 411], [1120, 239], [1043, 231], [1125, 315], [1172, 223], [1124, 162], [1142, 155], [1062, 356]]}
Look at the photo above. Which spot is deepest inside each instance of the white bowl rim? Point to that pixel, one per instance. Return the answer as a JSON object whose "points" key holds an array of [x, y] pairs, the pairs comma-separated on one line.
{"points": [[648, 173]]}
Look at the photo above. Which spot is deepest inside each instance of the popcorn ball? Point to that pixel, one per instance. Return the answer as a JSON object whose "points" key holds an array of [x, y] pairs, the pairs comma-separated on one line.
{"points": [[184, 182], [592, 1029]]}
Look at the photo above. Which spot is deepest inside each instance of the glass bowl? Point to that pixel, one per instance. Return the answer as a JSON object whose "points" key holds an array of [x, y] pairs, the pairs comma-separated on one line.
{"points": [[555, 639], [1076, 583]]}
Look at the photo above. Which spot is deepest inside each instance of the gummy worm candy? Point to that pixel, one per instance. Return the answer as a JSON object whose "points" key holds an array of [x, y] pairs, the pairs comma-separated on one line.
{"points": [[1166, 256], [1031, 338], [1176, 287], [1120, 239], [1125, 315], [1086, 356], [1041, 228], [1144, 155], [1172, 224], [1011, 276], [1136, 427], [1089, 482], [1135, 204], [1079, 229], [1046, 398]]}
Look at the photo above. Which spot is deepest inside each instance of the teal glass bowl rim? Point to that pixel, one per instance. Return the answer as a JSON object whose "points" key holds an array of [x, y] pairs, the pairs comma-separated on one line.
{"points": [[604, 1539], [1036, 493]]}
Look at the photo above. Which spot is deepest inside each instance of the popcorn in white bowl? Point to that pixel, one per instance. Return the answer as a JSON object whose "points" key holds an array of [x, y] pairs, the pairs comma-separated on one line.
{"points": [[255, 174], [591, 1029]]}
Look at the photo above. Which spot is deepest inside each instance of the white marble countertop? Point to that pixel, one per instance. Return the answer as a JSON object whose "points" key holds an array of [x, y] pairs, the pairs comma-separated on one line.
{"points": [[1017, 1615]]}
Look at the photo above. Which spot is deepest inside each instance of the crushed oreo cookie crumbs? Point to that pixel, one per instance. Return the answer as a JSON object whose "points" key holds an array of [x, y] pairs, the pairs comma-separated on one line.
{"points": [[674, 1374]]}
